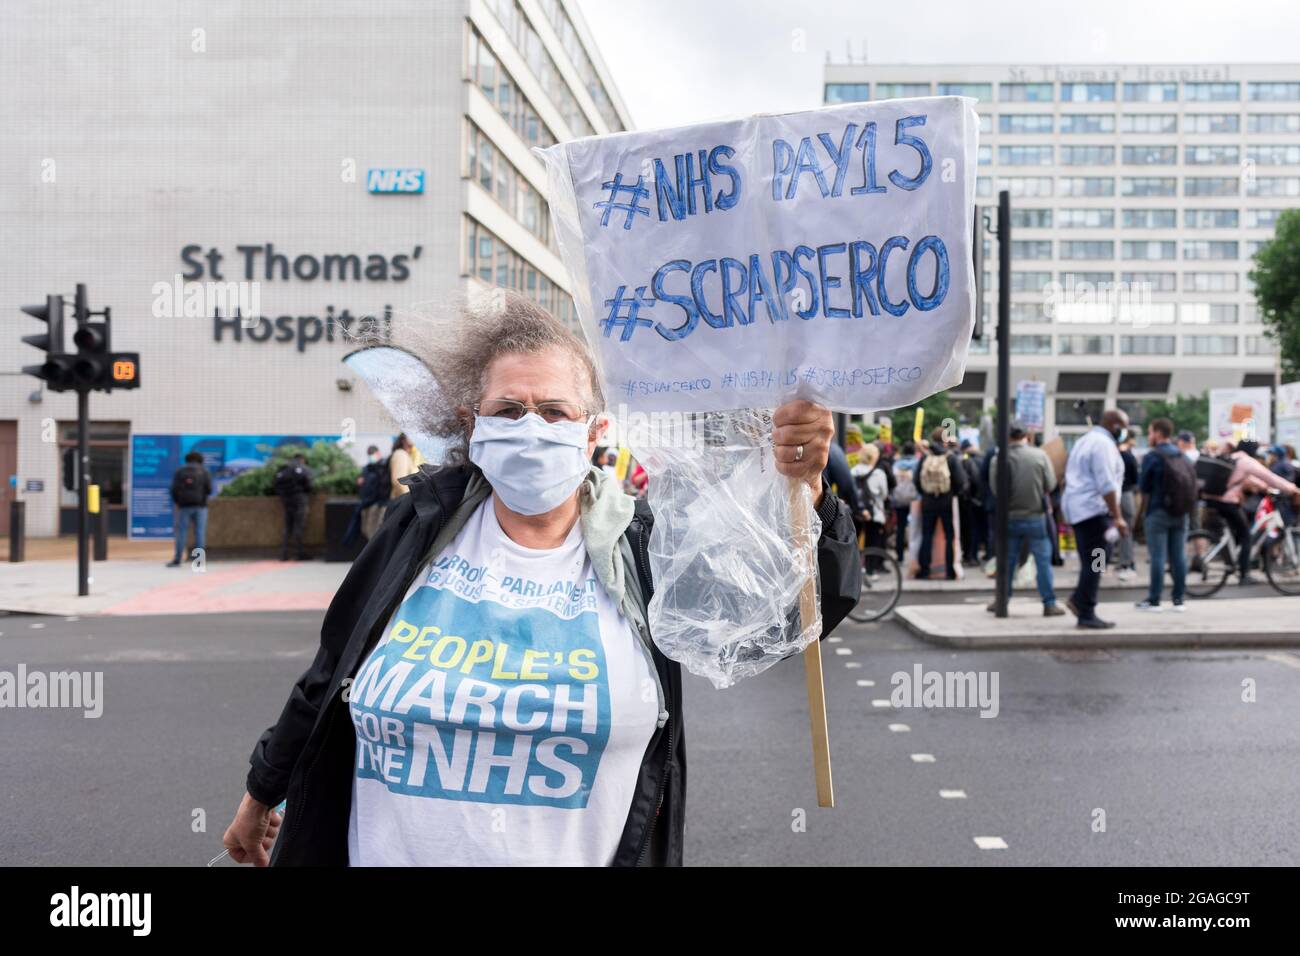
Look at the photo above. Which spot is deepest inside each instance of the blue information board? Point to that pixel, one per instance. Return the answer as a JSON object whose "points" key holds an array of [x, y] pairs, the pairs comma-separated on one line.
{"points": [[155, 458]]}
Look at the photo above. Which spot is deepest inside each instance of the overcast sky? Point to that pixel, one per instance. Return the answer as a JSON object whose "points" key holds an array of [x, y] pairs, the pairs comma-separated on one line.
{"points": [[685, 61]]}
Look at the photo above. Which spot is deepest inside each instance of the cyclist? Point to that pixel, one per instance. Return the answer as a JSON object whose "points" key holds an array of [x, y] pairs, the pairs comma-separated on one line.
{"points": [[1248, 475]]}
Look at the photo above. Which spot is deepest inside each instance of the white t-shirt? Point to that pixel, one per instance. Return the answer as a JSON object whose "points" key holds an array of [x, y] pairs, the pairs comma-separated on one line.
{"points": [[503, 716]]}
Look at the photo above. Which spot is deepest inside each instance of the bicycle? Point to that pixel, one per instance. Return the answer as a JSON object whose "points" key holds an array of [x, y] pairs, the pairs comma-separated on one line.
{"points": [[881, 588], [1212, 559]]}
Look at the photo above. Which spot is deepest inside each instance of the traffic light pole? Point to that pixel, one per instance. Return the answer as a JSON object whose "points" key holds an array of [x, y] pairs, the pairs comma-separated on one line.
{"points": [[83, 492], [1003, 491]]}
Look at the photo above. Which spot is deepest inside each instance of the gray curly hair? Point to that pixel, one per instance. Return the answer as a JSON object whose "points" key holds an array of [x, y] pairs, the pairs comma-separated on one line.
{"points": [[488, 326]]}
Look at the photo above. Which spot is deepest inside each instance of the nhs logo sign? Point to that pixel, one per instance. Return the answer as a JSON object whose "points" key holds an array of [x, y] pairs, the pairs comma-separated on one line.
{"points": [[395, 180]]}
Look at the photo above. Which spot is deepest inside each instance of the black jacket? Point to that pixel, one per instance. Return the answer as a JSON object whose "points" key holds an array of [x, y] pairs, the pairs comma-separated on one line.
{"points": [[956, 481], [309, 754], [191, 486]]}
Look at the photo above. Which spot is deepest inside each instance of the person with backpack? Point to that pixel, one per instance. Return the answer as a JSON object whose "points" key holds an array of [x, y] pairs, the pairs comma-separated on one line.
{"points": [[1033, 479], [940, 477], [293, 483], [191, 489], [902, 495], [873, 492], [971, 504], [1168, 485]]}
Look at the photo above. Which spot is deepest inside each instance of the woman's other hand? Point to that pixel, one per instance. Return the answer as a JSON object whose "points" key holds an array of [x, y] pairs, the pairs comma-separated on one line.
{"points": [[802, 423], [251, 835]]}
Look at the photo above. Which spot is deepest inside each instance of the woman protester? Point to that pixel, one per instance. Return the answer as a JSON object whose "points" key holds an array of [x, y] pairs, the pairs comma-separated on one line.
{"points": [[486, 691]]}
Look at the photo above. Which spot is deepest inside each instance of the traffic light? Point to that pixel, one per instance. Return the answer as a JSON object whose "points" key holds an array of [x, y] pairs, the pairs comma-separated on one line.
{"points": [[57, 369], [97, 366]]}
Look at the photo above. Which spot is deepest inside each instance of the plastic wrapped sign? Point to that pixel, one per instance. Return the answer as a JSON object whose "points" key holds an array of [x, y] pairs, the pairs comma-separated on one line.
{"points": [[822, 255], [729, 267]]}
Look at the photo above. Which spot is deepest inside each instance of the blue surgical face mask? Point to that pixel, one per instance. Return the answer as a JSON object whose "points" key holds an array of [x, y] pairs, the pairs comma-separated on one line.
{"points": [[533, 466]]}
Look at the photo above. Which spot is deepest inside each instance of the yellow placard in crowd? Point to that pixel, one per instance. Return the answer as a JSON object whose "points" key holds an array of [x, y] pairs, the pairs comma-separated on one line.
{"points": [[623, 463]]}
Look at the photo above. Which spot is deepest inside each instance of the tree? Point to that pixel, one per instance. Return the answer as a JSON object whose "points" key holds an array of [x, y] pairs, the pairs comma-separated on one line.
{"points": [[334, 471], [1187, 412], [938, 409], [1277, 289]]}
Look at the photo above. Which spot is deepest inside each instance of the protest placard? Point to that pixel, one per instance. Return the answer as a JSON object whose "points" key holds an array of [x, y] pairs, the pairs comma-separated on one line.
{"points": [[1031, 403], [822, 255]]}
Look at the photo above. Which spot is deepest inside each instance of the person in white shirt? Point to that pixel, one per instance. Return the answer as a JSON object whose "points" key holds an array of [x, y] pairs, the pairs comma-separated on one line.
{"points": [[1094, 478]]}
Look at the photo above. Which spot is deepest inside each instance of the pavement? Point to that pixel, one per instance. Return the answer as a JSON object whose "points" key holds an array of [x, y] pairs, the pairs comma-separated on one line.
{"points": [[138, 583], [1215, 622]]}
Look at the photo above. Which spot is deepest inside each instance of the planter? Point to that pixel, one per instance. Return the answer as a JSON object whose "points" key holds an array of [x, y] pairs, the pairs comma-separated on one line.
{"points": [[241, 524]]}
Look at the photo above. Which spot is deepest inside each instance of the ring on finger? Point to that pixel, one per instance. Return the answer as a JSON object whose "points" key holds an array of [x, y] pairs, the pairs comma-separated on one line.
{"points": [[798, 452]]}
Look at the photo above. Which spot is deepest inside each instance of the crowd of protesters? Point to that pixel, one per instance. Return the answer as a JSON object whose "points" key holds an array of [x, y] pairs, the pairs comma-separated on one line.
{"points": [[1100, 498]]}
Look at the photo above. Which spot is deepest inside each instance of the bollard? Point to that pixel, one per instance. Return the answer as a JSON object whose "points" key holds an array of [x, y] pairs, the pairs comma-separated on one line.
{"points": [[100, 522], [17, 530]]}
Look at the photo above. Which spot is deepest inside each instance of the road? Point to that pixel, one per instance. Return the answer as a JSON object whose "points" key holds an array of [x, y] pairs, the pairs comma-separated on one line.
{"points": [[1185, 770]]}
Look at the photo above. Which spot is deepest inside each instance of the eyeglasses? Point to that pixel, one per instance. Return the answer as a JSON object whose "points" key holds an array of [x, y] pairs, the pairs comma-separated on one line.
{"points": [[550, 412]]}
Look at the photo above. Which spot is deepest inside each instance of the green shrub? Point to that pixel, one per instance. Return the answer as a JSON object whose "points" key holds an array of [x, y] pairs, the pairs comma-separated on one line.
{"points": [[334, 471]]}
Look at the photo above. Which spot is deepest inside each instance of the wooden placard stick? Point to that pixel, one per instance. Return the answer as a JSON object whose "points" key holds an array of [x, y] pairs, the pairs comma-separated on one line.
{"points": [[812, 655]]}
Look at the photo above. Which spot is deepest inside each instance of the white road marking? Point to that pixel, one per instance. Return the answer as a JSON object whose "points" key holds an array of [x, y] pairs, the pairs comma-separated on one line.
{"points": [[1290, 660], [953, 794], [866, 683], [899, 728], [843, 650], [854, 664], [72, 619], [834, 640], [922, 758], [990, 843], [37, 627], [881, 702]]}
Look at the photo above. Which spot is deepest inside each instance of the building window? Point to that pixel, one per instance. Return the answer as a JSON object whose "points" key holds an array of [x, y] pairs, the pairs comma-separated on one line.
{"points": [[1133, 312], [1029, 281], [1026, 185], [1078, 411], [1148, 123], [1083, 382], [1211, 155], [1031, 249], [1209, 249], [1150, 92], [490, 169], [1085, 344], [1079, 282], [1210, 186], [1212, 123], [1087, 185], [985, 155], [1150, 218], [1146, 345], [1022, 218], [1151, 281], [1025, 155], [1259, 345], [1087, 155], [1148, 186], [1025, 92], [1087, 249], [494, 262], [529, 44], [1209, 345], [1030, 345], [1144, 383], [1209, 282], [1087, 92], [1131, 249], [1211, 92], [1273, 92], [1273, 186], [495, 84], [1209, 313], [1150, 155], [1273, 123], [1274, 154], [1088, 123], [901, 91], [1210, 218], [979, 91], [847, 92], [572, 44], [1028, 312], [1262, 218], [1025, 123], [1086, 218]]}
